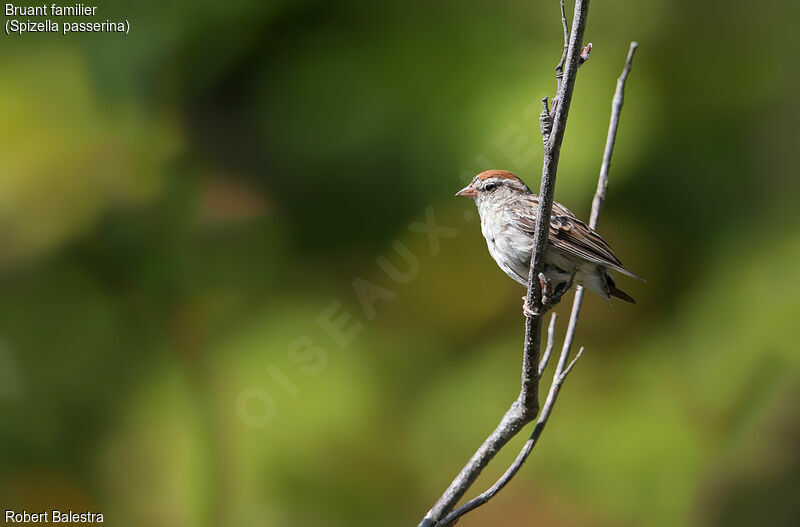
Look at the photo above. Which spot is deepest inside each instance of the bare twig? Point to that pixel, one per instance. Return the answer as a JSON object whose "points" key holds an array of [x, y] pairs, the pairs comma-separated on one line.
{"points": [[562, 369], [584, 56], [525, 408], [572, 363], [616, 108], [555, 387], [551, 330], [546, 121], [552, 151], [560, 65]]}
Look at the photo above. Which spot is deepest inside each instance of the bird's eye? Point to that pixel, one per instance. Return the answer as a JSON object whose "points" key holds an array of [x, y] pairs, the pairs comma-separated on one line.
{"points": [[491, 186]]}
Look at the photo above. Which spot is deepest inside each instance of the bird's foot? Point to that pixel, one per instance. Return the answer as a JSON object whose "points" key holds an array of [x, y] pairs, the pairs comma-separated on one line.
{"points": [[526, 309], [550, 296], [547, 289]]}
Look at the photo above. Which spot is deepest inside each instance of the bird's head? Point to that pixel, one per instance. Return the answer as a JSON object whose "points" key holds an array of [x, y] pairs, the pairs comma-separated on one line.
{"points": [[494, 184]]}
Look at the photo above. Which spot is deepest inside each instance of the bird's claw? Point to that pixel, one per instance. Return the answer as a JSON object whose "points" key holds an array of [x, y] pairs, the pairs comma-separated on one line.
{"points": [[526, 309], [550, 296], [547, 289]]}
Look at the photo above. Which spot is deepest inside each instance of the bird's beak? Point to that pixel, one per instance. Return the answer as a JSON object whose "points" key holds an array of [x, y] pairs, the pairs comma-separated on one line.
{"points": [[467, 192]]}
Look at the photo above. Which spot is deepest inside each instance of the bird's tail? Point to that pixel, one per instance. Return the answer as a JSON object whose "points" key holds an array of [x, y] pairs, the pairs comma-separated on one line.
{"points": [[622, 295], [614, 291]]}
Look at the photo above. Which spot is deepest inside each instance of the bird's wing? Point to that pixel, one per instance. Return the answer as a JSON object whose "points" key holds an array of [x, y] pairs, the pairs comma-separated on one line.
{"points": [[569, 234]]}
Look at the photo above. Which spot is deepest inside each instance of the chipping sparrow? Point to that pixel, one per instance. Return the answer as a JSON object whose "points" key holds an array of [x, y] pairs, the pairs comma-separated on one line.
{"points": [[575, 252]]}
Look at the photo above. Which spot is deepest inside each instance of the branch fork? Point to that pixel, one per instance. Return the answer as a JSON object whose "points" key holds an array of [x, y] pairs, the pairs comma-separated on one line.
{"points": [[526, 407]]}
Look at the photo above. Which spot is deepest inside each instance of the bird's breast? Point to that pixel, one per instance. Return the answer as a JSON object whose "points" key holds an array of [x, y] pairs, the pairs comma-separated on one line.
{"points": [[509, 247]]}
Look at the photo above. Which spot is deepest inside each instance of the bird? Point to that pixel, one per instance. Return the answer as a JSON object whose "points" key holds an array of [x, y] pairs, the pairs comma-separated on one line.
{"points": [[575, 252]]}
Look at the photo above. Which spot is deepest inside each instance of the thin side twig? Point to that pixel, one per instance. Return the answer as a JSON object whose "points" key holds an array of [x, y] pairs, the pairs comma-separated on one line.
{"points": [[611, 138], [551, 330], [562, 369], [565, 27]]}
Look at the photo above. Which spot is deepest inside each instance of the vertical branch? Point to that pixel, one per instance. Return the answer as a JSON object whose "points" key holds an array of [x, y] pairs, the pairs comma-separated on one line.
{"points": [[562, 369], [552, 151], [526, 407], [516, 417]]}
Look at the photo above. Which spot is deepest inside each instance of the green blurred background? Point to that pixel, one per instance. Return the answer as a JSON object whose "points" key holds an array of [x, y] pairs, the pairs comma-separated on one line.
{"points": [[180, 208]]}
